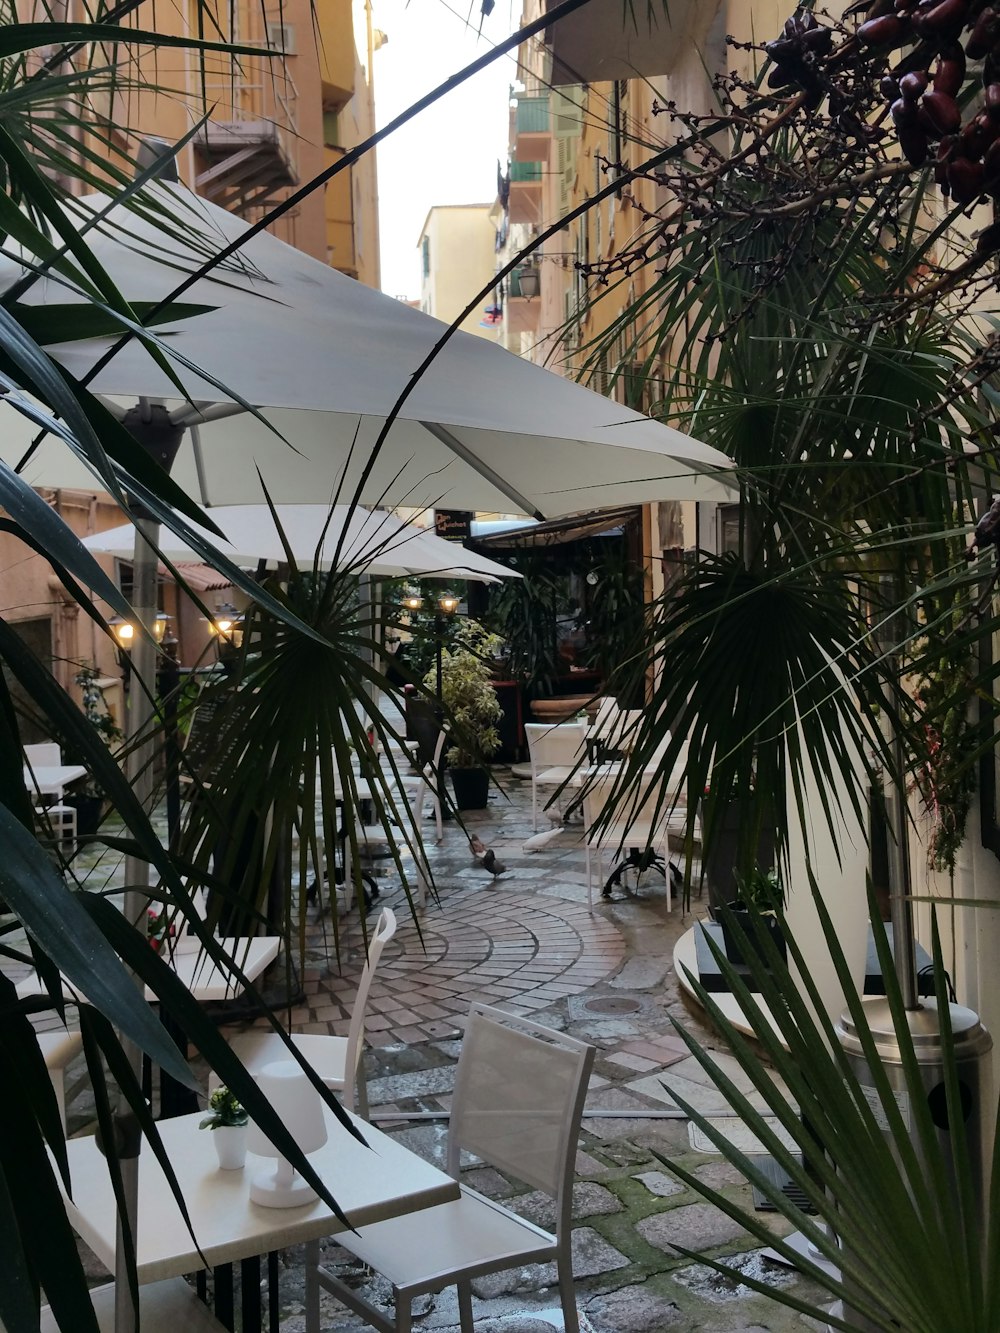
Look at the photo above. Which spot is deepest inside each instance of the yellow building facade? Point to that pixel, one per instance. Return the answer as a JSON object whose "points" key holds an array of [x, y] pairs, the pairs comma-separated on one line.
{"points": [[457, 258]]}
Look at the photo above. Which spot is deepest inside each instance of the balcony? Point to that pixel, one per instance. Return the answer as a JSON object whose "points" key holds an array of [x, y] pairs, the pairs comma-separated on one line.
{"points": [[606, 40], [247, 163], [333, 25], [525, 204], [523, 310], [530, 129]]}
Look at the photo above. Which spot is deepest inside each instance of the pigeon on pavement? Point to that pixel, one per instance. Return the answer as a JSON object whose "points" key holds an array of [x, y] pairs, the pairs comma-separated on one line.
{"points": [[477, 847], [491, 863]]}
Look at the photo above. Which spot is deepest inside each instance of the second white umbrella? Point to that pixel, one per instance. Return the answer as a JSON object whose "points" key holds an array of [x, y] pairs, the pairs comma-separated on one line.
{"points": [[375, 543]]}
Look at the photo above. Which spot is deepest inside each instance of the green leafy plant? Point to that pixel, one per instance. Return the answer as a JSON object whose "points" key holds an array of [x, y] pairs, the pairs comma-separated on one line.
{"points": [[226, 1111], [760, 891], [468, 696]]}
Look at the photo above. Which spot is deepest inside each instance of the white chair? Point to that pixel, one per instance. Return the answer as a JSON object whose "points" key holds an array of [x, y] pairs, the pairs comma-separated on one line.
{"points": [[556, 753], [614, 728], [637, 820], [433, 774], [59, 1049], [417, 791], [59, 819], [519, 1093], [337, 1060]]}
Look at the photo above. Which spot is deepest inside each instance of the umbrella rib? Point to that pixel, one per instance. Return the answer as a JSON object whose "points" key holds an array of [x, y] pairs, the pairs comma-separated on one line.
{"points": [[525, 506]]}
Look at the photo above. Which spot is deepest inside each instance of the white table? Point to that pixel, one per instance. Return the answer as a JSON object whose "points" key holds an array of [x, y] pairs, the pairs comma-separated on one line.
{"points": [[370, 1184], [49, 780], [204, 978]]}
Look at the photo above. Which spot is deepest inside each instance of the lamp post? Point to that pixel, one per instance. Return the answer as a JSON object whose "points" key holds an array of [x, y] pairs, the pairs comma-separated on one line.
{"points": [[167, 684], [445, 608], [124, 632], [227, 627]]}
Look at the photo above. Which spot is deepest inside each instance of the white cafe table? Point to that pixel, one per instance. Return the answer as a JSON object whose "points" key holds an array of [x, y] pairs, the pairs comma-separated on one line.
{"points": [[370, 1184], [205, 979], [50, 779]]}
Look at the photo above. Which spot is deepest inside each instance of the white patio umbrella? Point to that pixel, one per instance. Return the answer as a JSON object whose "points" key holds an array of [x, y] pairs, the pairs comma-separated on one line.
{"points": [[377, 544], [326, 358]]}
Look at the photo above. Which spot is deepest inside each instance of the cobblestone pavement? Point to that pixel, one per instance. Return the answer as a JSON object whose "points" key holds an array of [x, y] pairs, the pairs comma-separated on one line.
{"points": [[528, 942]]}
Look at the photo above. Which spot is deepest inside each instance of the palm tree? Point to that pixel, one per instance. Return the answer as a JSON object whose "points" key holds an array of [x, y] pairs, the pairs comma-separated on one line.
{"points": [[799, 320]]}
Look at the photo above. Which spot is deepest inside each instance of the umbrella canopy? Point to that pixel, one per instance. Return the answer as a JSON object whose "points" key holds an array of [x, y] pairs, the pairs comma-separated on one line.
{"points": [[376, 543], [326, 358]]}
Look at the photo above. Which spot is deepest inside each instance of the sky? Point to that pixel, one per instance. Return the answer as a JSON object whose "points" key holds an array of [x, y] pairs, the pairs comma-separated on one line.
{"points": [[448, 153]]}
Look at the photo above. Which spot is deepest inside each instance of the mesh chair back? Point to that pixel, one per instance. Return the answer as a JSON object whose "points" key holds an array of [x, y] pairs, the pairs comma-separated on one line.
{"points": [[558, 746], [519, 1094]]}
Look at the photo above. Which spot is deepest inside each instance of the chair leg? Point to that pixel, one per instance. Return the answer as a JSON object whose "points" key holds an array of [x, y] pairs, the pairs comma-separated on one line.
{"points": [[403, 1304], [312, 1287], [465, 1307], [567, 1294], [348, 877], [361, 1090], [534, 807], [439, 818]]}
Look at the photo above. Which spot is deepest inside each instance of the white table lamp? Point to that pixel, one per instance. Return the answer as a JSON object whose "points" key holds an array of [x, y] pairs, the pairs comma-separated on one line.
{"points": [[300, 1108]]}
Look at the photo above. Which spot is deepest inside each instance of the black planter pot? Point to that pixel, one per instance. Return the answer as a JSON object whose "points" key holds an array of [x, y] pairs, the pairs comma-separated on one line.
{"points": [[734, 950], [472, 787], [88, 813], [722, 855]]}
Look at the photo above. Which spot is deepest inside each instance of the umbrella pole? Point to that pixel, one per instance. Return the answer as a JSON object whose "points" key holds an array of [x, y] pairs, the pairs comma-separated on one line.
{"points": [[151, 426], [140, 774]]}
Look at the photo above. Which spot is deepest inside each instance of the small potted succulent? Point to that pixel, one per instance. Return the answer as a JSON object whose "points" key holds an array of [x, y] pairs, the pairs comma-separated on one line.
{"points": [[759, 895], [228, 1121]]}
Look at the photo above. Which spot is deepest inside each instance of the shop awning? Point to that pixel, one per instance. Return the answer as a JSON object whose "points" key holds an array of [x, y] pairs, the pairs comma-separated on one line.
{"points": [[556, 531]]}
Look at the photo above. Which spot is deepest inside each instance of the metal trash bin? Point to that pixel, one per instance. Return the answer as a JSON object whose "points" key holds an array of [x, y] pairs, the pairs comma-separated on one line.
{"points": [[972, 1046]]}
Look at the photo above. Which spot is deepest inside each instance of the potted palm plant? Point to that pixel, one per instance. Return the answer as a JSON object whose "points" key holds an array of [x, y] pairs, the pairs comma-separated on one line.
{"points": [[473, 711], [759, 899]]}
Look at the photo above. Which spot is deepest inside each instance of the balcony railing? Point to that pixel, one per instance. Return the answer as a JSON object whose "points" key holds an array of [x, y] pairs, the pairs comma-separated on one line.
{"points": [[525, 173], [532, 115]]}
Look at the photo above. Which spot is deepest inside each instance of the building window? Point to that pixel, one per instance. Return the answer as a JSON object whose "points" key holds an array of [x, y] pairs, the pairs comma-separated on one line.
{"points": [[281, 37], [425, 256], [331, 129]]}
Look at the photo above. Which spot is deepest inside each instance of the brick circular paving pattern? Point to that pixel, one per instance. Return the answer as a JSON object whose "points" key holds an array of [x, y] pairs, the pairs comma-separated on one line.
{"points": [[522, 951]]}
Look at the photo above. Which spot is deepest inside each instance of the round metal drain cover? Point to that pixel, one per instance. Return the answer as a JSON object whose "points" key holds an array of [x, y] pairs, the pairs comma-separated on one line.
{"points": [[613, 1004]]}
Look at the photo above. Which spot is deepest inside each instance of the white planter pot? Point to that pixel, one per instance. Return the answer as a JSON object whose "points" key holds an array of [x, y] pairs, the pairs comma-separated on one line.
{"points": [[186, 943], [230, 1145]]}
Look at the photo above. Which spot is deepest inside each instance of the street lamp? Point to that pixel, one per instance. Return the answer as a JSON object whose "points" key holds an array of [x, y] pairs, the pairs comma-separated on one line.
{"points": [[124, 630]]}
